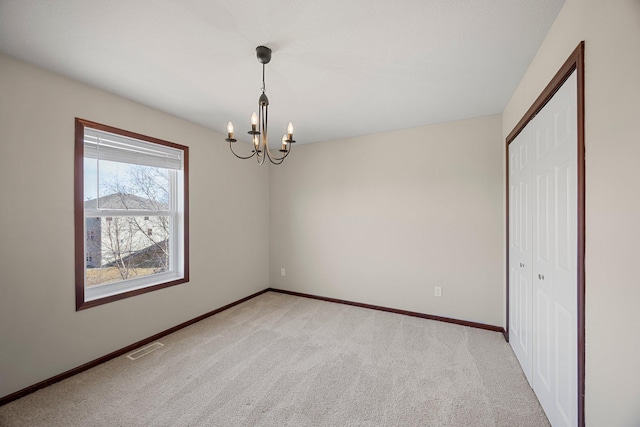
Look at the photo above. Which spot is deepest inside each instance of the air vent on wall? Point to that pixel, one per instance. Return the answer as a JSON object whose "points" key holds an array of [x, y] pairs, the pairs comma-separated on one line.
{"points": [[144, 351]]}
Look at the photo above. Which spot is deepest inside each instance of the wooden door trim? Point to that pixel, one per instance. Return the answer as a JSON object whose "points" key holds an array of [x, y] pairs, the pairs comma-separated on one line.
{"points": [[575, 62]]}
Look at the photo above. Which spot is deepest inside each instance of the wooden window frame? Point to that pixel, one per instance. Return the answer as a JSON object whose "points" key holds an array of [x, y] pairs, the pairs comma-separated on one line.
{"points": [[79, 255]]}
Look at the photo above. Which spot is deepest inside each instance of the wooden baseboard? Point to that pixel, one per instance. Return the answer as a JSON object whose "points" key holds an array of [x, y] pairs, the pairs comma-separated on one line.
{"points": [[42, 384], [395, 310]]}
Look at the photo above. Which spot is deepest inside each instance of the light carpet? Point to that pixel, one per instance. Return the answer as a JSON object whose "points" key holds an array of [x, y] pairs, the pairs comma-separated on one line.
{"points": [[279, 360]]}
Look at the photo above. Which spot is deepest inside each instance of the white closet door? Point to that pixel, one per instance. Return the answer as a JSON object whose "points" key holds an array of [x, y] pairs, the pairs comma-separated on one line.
{"points": [[555, 254], [520, 252]]}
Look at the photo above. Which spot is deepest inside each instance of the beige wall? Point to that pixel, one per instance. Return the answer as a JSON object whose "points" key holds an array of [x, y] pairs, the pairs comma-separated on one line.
{"points": [[41, 334], [611, 30], [383, 219]]}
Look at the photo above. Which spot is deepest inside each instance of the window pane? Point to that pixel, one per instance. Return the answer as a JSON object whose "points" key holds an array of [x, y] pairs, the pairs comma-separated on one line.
{"points": [[127, 186], [90, 179], [124, 247]]}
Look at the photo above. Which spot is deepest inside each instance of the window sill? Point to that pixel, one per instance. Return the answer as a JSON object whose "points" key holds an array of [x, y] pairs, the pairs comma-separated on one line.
{"points": [[102, 294]]}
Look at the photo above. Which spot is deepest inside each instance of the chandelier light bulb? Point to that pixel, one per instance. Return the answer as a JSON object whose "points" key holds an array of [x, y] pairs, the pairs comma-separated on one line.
{"points": [[290, 130], [254, 120], [230, 129]]}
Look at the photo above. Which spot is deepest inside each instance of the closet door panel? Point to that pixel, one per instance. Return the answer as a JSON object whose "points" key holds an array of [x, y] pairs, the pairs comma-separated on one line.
{"points": [[543, 228], [520, 244], [564, 109], [555, 256], [564, 388], [543, 344]]}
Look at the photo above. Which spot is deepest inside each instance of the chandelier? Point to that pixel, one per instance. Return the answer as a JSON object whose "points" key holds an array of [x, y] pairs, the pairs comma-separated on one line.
{"points": [[259, 124]]}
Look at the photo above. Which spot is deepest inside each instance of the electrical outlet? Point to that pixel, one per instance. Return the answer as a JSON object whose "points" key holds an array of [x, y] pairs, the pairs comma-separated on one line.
{"points": [[438, 291], [282, 271]]}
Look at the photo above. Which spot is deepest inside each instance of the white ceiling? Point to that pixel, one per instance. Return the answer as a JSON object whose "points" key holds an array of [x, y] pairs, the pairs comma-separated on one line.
{"points": [[339, 67]]}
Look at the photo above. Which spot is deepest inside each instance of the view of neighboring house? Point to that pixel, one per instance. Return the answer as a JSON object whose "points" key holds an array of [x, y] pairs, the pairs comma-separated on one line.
{"points": [[114, 239]]}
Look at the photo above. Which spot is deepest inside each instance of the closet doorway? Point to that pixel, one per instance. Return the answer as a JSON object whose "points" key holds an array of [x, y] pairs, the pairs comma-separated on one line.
{"points": [[545, 244]]}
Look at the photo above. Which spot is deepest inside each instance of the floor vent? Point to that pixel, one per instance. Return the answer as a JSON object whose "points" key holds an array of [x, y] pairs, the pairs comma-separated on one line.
{"points": [[144, 351]]}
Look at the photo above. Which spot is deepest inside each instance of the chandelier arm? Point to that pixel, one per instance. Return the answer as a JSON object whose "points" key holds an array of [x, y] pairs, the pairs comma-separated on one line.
{"points": [[276, 160], [241, 157], [260, 138], [273, 157], [264, 117], [269, 153], [276, 163]]}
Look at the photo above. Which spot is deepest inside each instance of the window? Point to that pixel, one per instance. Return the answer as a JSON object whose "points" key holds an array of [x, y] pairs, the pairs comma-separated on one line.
{"points": [[131, 203]]}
